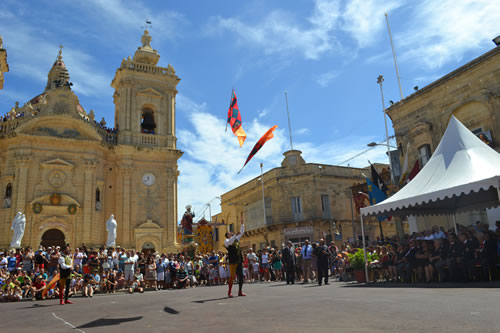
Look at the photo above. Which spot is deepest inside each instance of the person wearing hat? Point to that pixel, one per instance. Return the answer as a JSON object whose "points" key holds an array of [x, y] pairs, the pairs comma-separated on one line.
{"points": [[235, 259], [66, 268]]}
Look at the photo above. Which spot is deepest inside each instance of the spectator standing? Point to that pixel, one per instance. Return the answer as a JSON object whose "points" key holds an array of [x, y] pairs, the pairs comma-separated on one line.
{"points": [[306, 254], [289, 262], [323, 255]]}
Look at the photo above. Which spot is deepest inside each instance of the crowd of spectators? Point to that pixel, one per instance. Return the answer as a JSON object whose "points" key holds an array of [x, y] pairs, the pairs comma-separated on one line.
{"points": [[433, 255]]}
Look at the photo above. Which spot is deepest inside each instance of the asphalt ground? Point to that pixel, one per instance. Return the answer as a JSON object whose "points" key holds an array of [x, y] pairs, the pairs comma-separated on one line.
{"points": [[269, 307]]}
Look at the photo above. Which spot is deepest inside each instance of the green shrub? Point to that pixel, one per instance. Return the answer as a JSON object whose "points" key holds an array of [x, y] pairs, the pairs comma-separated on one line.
{"points": [[357, 259]]}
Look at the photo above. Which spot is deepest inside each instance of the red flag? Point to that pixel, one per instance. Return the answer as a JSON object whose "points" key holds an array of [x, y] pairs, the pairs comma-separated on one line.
{"points": [[234, 119], [415, 170], [266, 137]]}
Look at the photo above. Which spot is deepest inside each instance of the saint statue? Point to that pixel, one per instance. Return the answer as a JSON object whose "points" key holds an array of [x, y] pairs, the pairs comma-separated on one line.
{"points": [[187, 221], [111, 229], [18, 225]]}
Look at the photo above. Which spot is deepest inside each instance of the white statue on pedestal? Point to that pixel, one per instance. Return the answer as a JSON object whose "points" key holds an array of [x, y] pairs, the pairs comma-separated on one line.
{"points": [[111, 228], [18, 225]]}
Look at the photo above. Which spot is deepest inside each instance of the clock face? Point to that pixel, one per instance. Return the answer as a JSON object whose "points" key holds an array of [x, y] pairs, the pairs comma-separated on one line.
{"points": [[148, 179]]}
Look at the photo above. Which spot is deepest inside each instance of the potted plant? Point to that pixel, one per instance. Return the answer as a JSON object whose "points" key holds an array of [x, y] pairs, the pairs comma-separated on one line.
{"points": [[357, 261]]}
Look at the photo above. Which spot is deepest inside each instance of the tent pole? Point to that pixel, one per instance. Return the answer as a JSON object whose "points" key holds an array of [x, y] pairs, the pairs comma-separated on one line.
{"points": [[364, 248], [455, 223]]}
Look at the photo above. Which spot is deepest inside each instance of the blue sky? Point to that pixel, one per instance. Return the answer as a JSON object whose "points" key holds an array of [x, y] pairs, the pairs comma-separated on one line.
{"points": [[326, 54]]}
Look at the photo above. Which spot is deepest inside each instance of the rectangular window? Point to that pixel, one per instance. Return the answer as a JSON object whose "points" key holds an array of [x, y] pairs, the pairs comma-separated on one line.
{"points": [[269, 211], [231, 227], [273, 244], [325, 206], [297, 209], [216, 235], [296, 205], [424, 154]]}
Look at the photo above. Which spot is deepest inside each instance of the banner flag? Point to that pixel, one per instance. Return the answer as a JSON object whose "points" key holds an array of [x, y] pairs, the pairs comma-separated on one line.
{"points": [[234, 119], [266, 137]]}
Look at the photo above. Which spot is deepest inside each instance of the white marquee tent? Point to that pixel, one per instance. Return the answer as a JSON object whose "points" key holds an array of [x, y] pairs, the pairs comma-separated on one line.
{"points": [[463, 174]]}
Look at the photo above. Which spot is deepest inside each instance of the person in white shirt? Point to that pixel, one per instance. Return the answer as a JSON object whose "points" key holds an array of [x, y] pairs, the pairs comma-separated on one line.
{"points": [[66, 268], [235, 259]]}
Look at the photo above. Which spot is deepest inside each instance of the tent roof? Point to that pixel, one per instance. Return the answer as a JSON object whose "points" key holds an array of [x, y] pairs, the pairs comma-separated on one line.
{"points": [[462, 174]]}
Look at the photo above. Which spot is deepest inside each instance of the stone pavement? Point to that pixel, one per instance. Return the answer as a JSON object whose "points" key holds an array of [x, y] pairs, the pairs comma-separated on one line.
{"points": [[269, 307]]}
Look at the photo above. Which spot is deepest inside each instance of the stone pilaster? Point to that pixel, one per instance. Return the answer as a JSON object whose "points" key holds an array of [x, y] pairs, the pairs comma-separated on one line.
{"points": [[126, 179], [171, 223], [88, 195], [22, 165]]}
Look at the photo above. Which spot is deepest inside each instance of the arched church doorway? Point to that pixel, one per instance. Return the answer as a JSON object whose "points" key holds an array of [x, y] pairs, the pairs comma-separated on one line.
{"points": [[53, 237], [148, 248]]}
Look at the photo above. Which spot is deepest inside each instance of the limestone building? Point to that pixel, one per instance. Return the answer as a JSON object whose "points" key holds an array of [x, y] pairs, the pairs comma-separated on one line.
{"points": [[68, 173], [302, 201], [4, 66], [472, 94]]}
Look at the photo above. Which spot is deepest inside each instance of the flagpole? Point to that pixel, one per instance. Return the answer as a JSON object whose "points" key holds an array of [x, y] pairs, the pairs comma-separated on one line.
{"points": [[394, 56], [289, 126], [364, 248], [263, 198], [380, 80]]}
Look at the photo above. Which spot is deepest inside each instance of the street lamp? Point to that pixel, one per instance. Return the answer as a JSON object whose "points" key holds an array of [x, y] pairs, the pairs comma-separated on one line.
{"points": [[374, 144]]}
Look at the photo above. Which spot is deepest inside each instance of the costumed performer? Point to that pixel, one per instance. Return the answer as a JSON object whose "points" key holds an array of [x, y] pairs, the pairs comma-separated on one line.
{"points": [[235, 259], [66, 268]]}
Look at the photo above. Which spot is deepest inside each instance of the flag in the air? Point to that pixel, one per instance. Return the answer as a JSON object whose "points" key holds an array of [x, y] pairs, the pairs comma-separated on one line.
{"points": [[360, 199], [266, 137], [234, 119], [376, 196], [377, 180]]}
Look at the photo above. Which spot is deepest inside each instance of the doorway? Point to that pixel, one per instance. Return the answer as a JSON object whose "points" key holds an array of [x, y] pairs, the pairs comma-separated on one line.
{"points": [[53, 237]]}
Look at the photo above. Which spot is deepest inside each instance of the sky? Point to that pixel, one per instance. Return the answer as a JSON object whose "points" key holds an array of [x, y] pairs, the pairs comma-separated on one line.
{"points": [[327, 55]]}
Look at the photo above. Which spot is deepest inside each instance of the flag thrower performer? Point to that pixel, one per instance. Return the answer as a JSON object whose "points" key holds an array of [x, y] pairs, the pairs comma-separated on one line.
{"points": [[66, 269], [235, 258]]}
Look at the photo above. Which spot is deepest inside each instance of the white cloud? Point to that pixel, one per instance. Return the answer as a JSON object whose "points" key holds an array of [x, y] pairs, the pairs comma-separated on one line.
{"points": [[443, 31], [262, 113], [364, 19], [302, 131], [324, 79], [279, 33]]}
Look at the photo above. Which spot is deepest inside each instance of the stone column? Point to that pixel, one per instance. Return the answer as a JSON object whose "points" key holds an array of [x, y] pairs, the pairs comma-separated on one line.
{"points": [[88, 194], [125, 223]]}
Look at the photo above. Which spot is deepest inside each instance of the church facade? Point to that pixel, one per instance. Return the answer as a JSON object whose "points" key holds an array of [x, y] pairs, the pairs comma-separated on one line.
{"points": [[69, 173]]}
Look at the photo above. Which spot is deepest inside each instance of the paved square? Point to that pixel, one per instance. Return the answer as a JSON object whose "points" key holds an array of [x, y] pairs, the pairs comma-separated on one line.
{"points": [[269, 307]]}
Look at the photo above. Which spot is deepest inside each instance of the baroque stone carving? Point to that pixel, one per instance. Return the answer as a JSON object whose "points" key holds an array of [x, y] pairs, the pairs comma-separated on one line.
{"points": [[56, 178]]}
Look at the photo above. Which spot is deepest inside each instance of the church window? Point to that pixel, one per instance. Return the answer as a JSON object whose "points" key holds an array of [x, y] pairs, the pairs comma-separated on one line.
{"points": [[148, 124], [98, 204], [8, 196], [424, 153]]}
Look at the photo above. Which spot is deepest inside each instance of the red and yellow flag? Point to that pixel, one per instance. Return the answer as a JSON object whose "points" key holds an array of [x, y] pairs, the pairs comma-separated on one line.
{"points": [[234, 119], [266, 137]]}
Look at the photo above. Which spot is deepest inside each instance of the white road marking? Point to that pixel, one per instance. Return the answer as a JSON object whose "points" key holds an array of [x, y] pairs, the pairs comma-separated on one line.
{"points": [[69, 324]]}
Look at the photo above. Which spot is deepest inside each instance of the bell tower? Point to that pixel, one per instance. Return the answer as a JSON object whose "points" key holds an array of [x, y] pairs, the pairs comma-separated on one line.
{"points": [[145, 99]]}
